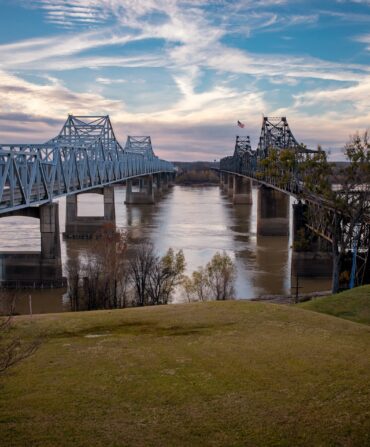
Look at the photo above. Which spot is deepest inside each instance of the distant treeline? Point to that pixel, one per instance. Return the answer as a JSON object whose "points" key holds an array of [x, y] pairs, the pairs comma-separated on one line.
{"points": [[196, 165], [197, 177]]}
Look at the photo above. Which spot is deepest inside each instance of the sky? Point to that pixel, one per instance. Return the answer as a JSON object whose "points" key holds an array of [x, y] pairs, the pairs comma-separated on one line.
{"points": [[184, 72]]}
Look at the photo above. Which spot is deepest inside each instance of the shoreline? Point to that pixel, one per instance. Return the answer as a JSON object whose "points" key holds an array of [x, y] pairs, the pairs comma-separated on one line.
{"points": [[290, 299]]}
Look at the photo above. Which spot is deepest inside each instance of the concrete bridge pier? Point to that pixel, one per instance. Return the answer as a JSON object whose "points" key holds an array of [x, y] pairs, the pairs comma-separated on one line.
{"points": [[272, 212], [163, 179], [230, 185], [171, 179], [224, 181], [157, 185], [311, 254], [84, 227], [242, 191], [36, 269], [145, 196]]}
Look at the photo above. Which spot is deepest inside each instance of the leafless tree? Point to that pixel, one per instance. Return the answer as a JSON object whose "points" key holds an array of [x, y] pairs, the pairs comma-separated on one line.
{"points": [[74, 275], [164, 276], [105, 273], [13, 348], [140, 268], [155, 278]]}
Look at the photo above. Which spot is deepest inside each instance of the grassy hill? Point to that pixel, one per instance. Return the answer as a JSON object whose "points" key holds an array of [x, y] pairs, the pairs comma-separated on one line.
{"points": [[352, 304], [212, 374]]}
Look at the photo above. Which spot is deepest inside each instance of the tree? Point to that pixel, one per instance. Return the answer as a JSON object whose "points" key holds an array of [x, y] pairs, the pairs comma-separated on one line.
{"points": [[73, 268], [221, 273], [105, 273], [214, 281], [140, 268], [154, 278], [197, 287], [343, 192], [13, 348], [165, 274]]}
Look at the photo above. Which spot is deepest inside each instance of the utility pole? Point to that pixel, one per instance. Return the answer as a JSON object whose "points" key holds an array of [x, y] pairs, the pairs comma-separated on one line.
{"points": [[296, 287]]}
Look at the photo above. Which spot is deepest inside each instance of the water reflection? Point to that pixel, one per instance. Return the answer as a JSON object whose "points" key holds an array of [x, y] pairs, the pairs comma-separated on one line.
{"points": [[199, 220]]}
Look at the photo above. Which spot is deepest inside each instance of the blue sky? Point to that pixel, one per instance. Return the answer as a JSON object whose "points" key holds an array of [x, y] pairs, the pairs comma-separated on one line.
{"points": [[185, 71]]}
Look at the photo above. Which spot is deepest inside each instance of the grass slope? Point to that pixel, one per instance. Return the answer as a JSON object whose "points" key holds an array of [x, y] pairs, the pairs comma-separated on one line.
{"points": [[212, 374], [352, 304]]}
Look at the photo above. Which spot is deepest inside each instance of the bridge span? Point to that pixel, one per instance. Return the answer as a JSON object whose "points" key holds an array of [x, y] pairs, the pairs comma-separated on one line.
{"points": [[312, 215], [84, 157]]}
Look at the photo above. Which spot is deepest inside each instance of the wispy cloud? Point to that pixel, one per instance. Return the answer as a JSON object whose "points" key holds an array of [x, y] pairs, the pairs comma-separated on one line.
{"points": [[108, 81], [192, 38]]}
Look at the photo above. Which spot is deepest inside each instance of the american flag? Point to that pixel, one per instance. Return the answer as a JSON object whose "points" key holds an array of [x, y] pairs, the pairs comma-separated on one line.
{"points": [[241, 124]]}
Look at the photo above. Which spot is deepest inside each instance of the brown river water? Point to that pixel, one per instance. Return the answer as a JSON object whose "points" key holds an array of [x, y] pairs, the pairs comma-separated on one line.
{"points": [[199, 220]]}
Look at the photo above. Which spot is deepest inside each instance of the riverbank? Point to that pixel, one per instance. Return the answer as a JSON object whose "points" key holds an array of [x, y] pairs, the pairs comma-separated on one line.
{"points": [[205, 374], [291, 299], [352, 305]]}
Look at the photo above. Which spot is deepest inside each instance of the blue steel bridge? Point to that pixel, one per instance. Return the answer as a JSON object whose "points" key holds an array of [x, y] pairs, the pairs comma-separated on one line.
{"points": [[84, 157], [313, 216]]}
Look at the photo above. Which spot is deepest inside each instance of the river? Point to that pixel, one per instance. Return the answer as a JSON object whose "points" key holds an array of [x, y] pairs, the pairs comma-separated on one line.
{"points": [[199, 220]]}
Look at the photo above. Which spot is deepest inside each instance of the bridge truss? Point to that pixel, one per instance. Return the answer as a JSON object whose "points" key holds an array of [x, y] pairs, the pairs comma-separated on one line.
{"points": [[84, 155], [276, 135]]}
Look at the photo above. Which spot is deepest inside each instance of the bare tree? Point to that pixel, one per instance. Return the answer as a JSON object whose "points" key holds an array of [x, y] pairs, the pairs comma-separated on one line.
{"points": [[165, 274], [155, 278], [105, 273], [73, 268], [140, 268], [13, 348]]}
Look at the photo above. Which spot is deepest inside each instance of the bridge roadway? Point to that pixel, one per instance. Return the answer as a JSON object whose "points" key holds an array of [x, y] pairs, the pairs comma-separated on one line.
{"points": [[84, 157]]}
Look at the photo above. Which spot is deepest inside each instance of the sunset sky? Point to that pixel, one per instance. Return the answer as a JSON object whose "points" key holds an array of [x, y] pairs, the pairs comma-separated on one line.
{"points": [[184, 72]]}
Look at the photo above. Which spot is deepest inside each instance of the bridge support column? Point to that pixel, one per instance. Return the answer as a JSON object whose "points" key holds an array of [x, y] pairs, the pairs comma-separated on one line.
{"points": [[224, 181], [143, 197], [157, 185], [272, 212], [242, 191], [311, 254], [85, 227], [164, 181], [32, 269], [230, 185]]}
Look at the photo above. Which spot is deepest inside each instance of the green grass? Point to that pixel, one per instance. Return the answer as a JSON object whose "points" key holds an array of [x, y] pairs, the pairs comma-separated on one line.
{"points": [[352, 305], [213, 374]]}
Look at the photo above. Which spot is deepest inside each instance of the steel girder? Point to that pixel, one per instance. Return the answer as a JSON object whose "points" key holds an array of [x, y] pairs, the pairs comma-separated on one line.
{"points": [[139, 145], [275, 134], [85, 155]]}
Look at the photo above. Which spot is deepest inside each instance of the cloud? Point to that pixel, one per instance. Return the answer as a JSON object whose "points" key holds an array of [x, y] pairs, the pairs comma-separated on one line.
{"points": [[108, 81], [191, 41]]}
